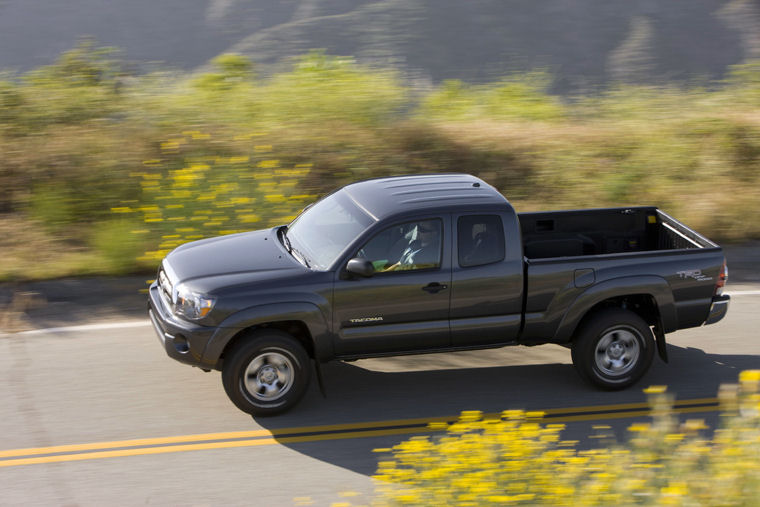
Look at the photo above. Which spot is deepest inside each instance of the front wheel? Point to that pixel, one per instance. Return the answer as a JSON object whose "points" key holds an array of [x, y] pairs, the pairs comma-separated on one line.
{"points": [[613, 349], [267, 373]]}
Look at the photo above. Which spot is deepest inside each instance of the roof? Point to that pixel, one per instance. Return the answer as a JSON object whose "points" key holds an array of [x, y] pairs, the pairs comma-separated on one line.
{"points": [[389, 196]]}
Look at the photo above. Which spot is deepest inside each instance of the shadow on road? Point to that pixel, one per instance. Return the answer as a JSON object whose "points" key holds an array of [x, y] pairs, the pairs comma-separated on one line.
{"points": [[358, 394]]}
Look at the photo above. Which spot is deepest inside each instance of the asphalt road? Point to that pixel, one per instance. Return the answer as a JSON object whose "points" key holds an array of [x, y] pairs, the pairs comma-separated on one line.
{"points": [[112, 386]]}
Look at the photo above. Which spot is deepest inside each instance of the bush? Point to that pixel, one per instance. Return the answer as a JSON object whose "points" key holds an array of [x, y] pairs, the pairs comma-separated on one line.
{"points": [[517, 460], [75, 135], [204, 187], [119, 242], [518, 97]]}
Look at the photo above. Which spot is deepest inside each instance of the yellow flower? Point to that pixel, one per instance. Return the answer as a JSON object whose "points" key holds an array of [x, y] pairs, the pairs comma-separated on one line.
{"points": [[748, 376], [275, 198], [268, 164], [249, 218], [639, 427]]}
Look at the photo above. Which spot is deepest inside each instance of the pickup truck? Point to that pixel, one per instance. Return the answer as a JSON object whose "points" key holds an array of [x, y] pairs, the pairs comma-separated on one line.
{"points": [[432, 263]]}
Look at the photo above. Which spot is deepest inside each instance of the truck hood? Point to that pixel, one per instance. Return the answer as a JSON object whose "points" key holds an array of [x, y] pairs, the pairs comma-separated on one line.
{"points": [[248, 257]]}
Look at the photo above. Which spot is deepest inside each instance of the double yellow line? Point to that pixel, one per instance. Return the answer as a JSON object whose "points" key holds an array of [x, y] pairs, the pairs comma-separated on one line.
{"points": [[182, 443]]}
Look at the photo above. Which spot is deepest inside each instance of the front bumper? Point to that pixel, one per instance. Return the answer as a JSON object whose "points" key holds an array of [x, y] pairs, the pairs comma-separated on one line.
{"points": [[718, 308], [182, 340]]}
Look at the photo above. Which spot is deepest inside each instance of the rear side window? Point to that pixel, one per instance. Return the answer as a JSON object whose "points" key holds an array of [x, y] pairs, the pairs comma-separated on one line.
{"points": [[480, 240]]}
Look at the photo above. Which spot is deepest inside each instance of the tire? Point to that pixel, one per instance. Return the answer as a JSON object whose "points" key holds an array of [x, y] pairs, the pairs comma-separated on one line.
{"points": [[267, 373], [613, 349]]}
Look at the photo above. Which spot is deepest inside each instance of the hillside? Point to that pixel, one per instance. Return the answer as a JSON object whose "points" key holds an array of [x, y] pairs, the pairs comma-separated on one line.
{"points": [[583, 43]]}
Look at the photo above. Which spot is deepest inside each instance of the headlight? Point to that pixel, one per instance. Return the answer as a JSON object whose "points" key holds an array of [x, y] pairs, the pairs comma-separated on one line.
{"points": [[192, 305]]}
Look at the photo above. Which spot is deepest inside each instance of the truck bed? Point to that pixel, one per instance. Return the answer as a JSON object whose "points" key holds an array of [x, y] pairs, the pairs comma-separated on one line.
{"points": [[604, 231]]}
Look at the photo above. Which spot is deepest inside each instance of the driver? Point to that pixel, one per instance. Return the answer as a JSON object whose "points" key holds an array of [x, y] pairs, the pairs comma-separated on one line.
{"points": [[423, 251]]}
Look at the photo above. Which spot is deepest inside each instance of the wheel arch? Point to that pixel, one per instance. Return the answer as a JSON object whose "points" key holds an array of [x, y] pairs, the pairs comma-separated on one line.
{"points": [[650, 297], [295, 328], [302, 321]]}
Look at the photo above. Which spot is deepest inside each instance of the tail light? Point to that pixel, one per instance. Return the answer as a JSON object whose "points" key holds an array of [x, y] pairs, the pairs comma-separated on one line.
{"points": [[722, 279]]}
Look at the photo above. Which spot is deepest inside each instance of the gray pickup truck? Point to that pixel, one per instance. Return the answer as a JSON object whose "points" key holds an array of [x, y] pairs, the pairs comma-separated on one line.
{"points": [[432, 263]]}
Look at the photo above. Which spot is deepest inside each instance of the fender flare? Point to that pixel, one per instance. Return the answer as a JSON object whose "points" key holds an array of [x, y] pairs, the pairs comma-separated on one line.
{"points": [[305, 312], [654, 286]]}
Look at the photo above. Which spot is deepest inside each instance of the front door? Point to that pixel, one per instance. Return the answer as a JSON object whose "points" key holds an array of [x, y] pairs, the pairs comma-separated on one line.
{"points": [[405, 305]]}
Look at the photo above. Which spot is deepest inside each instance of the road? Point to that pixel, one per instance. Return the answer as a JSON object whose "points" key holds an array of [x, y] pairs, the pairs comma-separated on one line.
{"points": [[127, 425]]}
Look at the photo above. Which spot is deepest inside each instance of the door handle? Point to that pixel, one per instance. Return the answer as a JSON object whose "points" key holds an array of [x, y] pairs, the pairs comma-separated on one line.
{"points": [[434, 287]]}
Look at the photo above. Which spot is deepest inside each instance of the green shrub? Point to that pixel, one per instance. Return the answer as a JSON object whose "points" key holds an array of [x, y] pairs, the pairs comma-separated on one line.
{"points": [[322, 90], [519, 97], [80, 86], [119, 243], [53, 205]]}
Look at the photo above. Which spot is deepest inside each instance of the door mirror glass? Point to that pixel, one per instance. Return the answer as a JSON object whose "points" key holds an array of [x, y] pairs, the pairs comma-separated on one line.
{"points": [[361, 267]]}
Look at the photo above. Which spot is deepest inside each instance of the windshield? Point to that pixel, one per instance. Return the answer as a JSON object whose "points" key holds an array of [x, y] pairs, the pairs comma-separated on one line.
{"points": [[323, 231]]}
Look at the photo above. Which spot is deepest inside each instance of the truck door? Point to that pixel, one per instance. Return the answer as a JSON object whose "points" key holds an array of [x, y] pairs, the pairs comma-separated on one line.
{"points": [[405, 304], [487, 280]]}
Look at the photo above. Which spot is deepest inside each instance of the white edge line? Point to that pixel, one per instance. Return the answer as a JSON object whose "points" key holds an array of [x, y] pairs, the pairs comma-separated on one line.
{"points": [[86, 327], [744, 293]]}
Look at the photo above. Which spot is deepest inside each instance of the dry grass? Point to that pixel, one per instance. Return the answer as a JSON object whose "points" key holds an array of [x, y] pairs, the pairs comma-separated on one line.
{"points": [[31, 253]]}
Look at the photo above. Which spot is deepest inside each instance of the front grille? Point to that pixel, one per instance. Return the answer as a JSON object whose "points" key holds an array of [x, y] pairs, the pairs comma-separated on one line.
{"points": [[165, 288]]}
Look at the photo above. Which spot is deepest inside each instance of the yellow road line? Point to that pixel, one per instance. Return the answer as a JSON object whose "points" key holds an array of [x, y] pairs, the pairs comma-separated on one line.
{"points": [[226, 440], [627, 406], [135, 452], [134, 443]]}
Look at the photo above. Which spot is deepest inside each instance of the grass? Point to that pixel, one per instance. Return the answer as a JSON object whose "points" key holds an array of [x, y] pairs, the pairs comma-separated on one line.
{"points": [[104, 168]]}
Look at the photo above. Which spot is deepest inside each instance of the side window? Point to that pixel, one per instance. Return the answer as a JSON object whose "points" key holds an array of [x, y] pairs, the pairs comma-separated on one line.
{"points": [[404, 247], [480, 240]]}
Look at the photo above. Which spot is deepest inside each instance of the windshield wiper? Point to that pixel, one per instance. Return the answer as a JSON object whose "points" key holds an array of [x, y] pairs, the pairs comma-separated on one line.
{"points": [[286, 241], [302, 257], [292, 251]]}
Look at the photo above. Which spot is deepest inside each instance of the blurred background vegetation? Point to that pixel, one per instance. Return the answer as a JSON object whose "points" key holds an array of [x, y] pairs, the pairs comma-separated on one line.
{"points": [[104, 171]]}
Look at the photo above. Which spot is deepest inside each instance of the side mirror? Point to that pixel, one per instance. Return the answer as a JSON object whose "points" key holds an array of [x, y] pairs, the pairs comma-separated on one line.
{"points": [[361, 267]]}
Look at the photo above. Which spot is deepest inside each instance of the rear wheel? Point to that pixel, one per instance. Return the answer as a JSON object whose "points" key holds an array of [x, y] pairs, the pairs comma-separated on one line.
{"points": [[267, 373], [613, 349]]}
